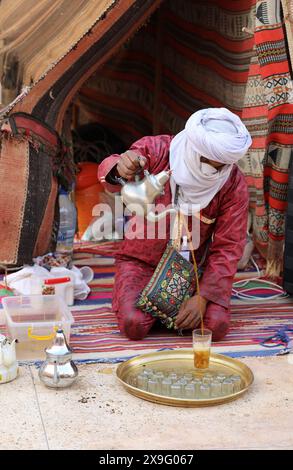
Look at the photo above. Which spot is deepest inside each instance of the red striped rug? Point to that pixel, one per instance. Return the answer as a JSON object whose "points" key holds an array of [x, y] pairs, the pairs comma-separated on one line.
{"points": [[95, 335]]}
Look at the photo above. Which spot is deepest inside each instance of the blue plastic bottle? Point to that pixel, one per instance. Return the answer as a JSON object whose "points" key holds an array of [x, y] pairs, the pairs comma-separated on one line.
{"points": [[67, 223]]}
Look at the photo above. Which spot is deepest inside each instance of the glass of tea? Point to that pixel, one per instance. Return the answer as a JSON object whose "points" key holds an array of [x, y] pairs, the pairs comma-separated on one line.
{"points": [[201, 347]]}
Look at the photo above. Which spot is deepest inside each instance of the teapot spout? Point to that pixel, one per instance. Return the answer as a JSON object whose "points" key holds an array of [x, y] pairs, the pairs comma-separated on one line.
{"points": [[152, 217], [163, 177]]}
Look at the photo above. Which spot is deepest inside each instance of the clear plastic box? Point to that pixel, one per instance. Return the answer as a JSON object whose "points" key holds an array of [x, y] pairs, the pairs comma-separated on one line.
{"points": [[34, 319]]}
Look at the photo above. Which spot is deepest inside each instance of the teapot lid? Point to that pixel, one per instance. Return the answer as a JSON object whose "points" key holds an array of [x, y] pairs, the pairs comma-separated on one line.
{"points": [[59, 347]]}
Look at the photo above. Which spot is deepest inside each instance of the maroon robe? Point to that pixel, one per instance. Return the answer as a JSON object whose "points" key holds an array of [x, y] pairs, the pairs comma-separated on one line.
{"points": [[138, 258]]}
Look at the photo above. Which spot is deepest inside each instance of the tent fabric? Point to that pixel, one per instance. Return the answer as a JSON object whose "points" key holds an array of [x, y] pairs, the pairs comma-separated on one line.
{"points": [[28, 188], [269, 115], [189, 55], [287, 6], [50, 97], [36, 35], [32, 227]]}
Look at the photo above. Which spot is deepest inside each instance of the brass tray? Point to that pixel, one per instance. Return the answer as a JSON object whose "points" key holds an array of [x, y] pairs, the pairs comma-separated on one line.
{"points": [[182, 359]]}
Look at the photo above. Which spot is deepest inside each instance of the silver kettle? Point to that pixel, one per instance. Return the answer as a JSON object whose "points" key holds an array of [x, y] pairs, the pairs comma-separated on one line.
{"points": [[143, 193], [58, 370]]}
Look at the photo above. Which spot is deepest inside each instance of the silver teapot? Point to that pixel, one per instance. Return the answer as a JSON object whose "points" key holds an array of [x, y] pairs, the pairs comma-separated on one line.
{"points": [[143, 192], [58, 370]]}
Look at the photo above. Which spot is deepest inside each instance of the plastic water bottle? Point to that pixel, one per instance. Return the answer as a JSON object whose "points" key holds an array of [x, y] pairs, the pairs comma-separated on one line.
{"points": [[67, 223]]}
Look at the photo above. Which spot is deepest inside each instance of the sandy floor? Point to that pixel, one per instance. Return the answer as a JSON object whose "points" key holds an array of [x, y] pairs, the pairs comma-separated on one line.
{"points": [[97, 413]]}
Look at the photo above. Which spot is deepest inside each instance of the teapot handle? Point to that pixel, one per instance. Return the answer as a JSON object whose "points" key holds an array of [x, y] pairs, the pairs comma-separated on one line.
{"points": [[41, 338], [123, 181], [120, 180]]}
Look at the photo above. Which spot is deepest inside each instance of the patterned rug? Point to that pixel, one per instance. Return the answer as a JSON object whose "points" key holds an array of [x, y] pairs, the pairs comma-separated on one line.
{"points": [[95, 336]]}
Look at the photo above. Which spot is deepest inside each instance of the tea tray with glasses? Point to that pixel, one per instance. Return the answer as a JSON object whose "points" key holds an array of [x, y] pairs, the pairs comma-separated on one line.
{"points": [[170, 378]]}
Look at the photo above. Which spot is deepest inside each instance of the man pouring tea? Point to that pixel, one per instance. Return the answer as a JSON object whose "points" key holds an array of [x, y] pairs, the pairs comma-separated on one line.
{"points": [[202, 158]]}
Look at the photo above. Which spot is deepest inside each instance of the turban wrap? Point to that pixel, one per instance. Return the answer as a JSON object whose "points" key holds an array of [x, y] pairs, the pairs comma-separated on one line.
{"points": [[216, 134]]}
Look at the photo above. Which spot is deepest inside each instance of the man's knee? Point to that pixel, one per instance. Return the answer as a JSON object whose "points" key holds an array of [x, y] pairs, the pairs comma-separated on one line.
{"points": [[219, 330], [133, 327], [217, 319]]}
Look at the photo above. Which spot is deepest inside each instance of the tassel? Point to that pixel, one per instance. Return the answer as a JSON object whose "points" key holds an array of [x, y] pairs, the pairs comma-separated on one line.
{"points": [[273, 269]]}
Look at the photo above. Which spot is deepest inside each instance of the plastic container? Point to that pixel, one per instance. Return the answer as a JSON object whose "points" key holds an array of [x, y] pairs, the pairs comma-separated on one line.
{"points": [[34, 319], [61, 286], [67, 224]]}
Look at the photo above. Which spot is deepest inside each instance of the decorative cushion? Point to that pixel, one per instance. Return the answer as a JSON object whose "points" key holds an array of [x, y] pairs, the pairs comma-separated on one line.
{"points": [[172, 282]]}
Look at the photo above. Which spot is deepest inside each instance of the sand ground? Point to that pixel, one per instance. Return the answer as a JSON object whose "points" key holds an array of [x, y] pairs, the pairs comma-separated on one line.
{"points": [[97, 413]]}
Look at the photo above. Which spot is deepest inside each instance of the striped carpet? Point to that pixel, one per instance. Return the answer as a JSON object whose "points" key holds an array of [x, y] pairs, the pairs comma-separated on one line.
{"points": [[95, 336]]}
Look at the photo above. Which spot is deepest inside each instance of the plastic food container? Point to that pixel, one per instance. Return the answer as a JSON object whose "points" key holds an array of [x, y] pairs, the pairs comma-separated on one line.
{"points": [[34, 319]]}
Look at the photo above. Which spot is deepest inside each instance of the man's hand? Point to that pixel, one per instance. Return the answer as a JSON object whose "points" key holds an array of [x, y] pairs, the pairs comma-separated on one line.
{"points": [[189, 314], [128, 164]]}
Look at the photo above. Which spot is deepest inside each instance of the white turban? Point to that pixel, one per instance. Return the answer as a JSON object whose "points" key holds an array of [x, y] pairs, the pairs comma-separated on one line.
{"points": [[218, 134], [214, 133]]}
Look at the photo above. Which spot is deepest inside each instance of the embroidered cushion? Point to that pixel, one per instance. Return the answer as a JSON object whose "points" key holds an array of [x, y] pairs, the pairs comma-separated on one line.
{"points": [[172, 282]]}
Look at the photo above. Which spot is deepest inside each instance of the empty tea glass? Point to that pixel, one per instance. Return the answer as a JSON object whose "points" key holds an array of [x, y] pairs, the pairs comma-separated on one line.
{"points": [[197, 383], [147, 372], [207, 379], [159, 375], [216, 388], [142, 381], [204, 391], [188, 377], [182, 381], [173, 376], [221, 377], [227, 387], [189, 391], [176, 390], [132, 380], [153, 386], [166, 386], [201, 347], [236, 379]]}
